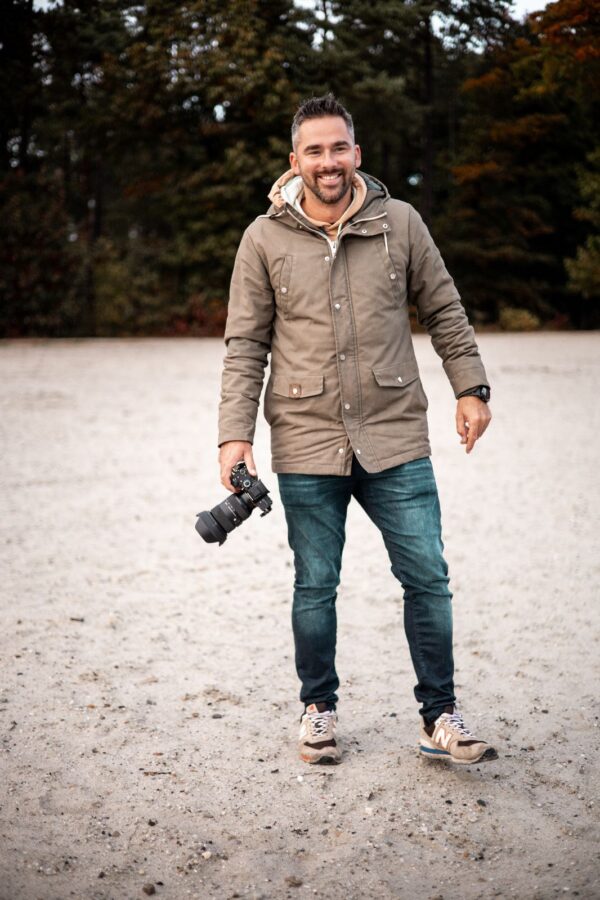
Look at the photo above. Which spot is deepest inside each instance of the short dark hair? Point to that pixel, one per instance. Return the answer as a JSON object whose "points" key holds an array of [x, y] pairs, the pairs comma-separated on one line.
{"points": [[317, 108]]}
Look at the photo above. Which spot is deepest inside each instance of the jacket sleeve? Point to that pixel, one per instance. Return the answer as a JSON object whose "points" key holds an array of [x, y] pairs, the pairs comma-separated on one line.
{"points": [[440, 311], [248, 341]]}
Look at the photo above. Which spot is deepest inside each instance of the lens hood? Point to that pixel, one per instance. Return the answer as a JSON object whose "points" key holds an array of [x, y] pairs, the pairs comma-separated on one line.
{"points": [[209, 529]]}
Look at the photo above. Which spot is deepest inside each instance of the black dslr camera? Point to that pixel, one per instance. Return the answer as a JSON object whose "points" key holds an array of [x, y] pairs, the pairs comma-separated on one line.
{"points": [[215, 525]]}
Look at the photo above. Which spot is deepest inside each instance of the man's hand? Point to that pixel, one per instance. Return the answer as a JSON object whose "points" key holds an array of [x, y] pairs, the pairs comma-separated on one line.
{"points": [[472, 418], [232, 452]]}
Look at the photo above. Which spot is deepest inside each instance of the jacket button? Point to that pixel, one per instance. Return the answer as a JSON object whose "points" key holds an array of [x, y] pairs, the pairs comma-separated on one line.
{"points": [[342, 356], [358, 451], [363, 230], [385, 225], [346, 406], [295, 390], [337, 305], [326, 258], [392, 275], [341, 450], [284, 290], [399, 379]]}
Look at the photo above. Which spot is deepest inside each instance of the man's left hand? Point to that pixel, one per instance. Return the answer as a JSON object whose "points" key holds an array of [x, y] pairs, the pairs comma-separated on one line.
{"points": [[472, 418]]}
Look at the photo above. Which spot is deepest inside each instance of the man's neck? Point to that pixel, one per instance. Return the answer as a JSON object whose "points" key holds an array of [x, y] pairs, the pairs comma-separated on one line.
{"points": [[325, 212]]}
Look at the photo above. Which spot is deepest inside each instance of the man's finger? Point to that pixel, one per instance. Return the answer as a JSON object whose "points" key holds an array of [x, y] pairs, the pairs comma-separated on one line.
{"points": [[226, 479], [249, 460], [461, 428], [472, 436]]}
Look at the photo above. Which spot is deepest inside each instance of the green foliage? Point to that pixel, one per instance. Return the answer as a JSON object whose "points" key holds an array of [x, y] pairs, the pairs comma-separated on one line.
{"points": [[137, 141], [514, 319], [584, 269]]}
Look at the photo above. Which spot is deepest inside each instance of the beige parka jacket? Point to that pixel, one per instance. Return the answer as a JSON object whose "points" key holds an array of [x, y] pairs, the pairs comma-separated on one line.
{"points": [[334, 317]]}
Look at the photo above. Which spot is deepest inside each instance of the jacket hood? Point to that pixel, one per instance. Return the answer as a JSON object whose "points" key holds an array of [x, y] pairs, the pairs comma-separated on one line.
{"points": [[287, 187]]}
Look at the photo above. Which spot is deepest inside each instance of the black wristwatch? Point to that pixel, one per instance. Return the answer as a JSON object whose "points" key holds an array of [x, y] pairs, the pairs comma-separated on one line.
{"points": [[482, 391]]}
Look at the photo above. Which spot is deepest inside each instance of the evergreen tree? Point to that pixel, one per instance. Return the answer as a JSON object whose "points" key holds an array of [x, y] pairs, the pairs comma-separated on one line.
{"points": [[526, 129]]}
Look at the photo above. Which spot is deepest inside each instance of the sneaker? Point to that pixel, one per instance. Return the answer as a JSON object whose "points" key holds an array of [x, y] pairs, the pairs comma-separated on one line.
{"points": [[451, 741], [316, 742]]}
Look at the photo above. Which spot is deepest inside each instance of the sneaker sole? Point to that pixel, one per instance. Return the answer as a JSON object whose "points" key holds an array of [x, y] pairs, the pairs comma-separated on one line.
{"points": [[323, 760], [432, 753]]}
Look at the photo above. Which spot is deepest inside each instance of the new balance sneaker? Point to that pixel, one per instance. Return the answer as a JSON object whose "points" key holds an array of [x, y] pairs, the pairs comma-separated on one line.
{"points": [[450, 741], [317, 742]]}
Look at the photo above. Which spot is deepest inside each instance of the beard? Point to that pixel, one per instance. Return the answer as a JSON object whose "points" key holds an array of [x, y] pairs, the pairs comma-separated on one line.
{"points": [[325, 194]]}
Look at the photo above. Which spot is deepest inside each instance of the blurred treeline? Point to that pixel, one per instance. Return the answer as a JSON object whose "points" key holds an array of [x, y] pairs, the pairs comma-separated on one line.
{"points": [[139, 139]]}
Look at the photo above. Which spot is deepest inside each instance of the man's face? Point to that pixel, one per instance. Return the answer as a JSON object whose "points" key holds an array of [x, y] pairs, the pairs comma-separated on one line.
{"points": [[326, 157]]}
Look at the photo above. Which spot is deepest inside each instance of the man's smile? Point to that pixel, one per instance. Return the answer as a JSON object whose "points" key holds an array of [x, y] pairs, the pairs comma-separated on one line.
{"points": [[330, 178]]}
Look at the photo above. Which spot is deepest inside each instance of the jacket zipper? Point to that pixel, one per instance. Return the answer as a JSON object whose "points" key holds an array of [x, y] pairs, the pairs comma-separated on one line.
{"points": [[333, 244]]}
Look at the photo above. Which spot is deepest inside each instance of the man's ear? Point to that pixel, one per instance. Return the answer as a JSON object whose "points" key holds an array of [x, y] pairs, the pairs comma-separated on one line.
{"points": [[294, 163], [357, 156]]}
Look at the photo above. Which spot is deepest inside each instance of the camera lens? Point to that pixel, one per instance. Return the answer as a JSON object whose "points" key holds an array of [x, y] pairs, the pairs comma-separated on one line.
{"points": [[209, 529]]}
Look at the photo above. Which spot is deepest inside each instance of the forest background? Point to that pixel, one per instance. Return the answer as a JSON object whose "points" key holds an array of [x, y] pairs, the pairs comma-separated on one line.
{"points": [[138, 140]]}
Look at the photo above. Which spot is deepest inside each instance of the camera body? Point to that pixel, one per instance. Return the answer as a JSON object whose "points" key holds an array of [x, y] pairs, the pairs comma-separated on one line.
{"points": [[215, 525]]}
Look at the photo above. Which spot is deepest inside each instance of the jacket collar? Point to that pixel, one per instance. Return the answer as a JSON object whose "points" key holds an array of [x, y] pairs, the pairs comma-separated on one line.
{"points": [[374, 204]]}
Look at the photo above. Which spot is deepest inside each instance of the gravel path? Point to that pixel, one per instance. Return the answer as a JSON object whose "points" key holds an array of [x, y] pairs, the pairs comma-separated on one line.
{"points": [[148, 700]]}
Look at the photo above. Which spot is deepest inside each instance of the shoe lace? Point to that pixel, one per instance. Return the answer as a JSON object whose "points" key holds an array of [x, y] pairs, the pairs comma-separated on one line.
{"points": [[319, 722], [455, 720]]}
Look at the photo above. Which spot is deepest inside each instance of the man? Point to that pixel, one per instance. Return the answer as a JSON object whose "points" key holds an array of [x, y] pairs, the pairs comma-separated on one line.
{"points": [[323, 282]]}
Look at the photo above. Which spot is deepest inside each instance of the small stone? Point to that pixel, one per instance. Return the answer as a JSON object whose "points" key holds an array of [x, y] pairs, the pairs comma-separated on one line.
{"points": [[217, 716], [481, 803], [207, 854], [293, 881], [149, 889], [151, 821]]}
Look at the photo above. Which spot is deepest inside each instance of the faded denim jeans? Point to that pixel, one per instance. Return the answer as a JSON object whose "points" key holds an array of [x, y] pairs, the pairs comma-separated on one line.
{"points": [[403, 503]]}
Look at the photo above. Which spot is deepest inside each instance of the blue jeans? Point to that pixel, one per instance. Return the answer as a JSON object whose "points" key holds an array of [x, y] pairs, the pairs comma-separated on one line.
{"points": [[403, 503]]}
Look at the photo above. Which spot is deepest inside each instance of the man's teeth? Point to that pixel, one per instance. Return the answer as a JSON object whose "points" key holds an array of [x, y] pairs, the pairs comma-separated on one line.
{"points": [[329, 177]]}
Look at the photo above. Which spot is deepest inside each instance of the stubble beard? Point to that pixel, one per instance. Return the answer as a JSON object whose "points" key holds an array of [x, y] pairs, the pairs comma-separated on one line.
{"points": [[329, 197]]}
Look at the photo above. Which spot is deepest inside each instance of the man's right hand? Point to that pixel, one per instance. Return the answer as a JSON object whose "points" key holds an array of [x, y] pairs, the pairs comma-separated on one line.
{"points": [[230, 453]]}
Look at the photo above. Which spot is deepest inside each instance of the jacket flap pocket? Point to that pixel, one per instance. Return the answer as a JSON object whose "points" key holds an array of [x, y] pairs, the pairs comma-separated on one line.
{"points": [[396, 376], [296, 386]]}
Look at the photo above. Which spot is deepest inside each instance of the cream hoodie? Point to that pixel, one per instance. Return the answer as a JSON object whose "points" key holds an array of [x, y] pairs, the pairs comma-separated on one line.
{"points": [[289, 188]]}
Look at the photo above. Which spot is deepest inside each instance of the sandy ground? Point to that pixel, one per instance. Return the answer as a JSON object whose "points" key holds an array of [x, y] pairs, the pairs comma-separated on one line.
{"points": [[148, 700]]}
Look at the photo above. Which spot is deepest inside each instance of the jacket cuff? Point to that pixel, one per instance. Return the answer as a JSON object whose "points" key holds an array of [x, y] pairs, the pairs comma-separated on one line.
{"points": [[465, 373], [224, 438]]}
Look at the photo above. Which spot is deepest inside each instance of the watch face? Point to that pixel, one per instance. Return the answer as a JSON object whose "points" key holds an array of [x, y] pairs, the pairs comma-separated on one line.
{"points": [[485, 393]]}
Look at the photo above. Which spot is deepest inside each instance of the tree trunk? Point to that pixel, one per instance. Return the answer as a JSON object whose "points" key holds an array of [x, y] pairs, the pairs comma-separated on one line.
{"points": [[427, 192]]}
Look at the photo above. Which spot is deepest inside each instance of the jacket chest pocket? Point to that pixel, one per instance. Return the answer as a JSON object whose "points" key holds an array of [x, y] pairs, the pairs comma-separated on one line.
{"points": [[283, 287]]}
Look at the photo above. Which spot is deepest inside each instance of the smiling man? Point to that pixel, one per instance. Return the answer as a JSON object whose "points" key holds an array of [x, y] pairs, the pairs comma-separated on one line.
{"points": [[323, 282]]}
